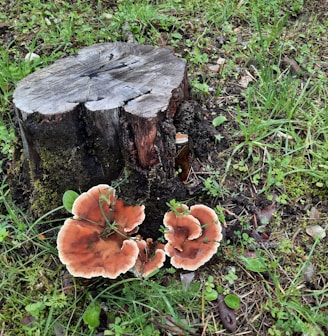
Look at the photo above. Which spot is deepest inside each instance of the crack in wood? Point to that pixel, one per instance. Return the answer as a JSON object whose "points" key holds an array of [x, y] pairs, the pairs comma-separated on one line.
{"points": [[107, 68], [126, 101]]}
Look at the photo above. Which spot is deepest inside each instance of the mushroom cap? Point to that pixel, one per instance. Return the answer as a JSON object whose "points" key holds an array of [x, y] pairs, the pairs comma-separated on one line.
{"points": [[128, 216], [151, 257], [193, 253], [181, 138], [94, 204], [181, 228], [100, 206], [86, 254], [95, 242]]}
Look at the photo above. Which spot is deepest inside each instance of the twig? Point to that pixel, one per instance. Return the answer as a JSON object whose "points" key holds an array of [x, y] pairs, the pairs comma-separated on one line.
{"points": [[174, 323], [166, 327], [2, 333], [255, 221], [295, 235], [231, 213], [205, 327]]}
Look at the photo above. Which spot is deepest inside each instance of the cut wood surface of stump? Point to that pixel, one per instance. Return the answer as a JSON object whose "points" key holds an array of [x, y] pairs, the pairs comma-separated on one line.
{"points": [[86, 117]]}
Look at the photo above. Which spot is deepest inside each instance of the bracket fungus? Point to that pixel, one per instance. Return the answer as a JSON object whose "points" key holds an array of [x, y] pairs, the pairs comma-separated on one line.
{"points": [[151, 257], [193, 236], [97, 240]]}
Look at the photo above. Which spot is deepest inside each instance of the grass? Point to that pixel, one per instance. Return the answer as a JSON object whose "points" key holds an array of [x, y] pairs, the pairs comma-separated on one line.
{"points": [[277, 128]]}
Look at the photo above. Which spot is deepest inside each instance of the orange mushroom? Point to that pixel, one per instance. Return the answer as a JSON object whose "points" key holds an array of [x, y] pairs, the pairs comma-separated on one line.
{"points": [[97, 242], [151, 257], [188, 248]]}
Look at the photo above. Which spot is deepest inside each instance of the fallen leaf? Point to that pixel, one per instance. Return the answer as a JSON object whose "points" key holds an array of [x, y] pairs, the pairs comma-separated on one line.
{"points": [[186, 279], [47, 21], [315, 231], [214, 68], [218, 67], [31, 56], [250, 254], [294, 67], [314, 214], [220, 61], [259, 237], [107, 16], [283, 135], [67, 282], [59, 330], [227, 315], [308, 272], [265, 215], [245, 80], [28, 321]]}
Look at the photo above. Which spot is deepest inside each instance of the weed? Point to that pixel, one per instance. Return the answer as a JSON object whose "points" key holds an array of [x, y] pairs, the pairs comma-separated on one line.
{"points": [[142, 19], [7, 137], [178, 208], [212, 184], [118, 328], [201, 88], [231, 277], [210, 293], [286, 306], [91, 316]]}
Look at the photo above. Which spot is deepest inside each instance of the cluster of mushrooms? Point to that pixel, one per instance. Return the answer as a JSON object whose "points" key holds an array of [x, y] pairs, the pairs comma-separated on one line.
{"points": [[101, 239]]}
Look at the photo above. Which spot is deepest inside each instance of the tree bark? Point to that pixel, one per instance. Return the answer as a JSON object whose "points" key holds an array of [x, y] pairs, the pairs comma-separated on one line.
{"points": [[87, 117]]}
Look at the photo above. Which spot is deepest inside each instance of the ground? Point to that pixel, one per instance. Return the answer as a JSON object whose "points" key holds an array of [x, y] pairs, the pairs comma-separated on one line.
{"points": [[258, 138]]}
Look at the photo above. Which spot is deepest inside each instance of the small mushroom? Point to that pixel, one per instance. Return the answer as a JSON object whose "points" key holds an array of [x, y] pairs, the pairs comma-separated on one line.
{"points": [[181, 227], [96, 242], [151, 257], [182, 159], [193, 238], [181, 138]]}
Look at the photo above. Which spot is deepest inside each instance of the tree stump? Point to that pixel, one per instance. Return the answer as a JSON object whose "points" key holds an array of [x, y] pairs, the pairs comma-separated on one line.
{"points": [[88, 117]]}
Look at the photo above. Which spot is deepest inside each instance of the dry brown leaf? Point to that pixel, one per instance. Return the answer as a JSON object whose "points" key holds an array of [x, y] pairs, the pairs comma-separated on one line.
{"points": [[265, 215], [314, 214], [245, 80], [227, 315], [315, 231]]}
